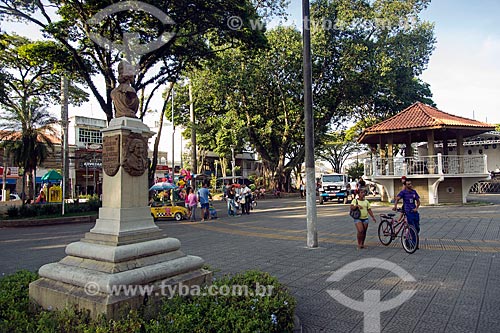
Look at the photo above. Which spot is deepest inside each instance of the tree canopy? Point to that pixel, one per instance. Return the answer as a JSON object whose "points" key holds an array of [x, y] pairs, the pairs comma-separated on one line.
{"points": [[200, 28], [365, 69]]}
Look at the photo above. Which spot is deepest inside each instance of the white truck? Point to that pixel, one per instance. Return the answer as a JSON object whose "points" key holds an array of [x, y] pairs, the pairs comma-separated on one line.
{"points": [[334, 186]]}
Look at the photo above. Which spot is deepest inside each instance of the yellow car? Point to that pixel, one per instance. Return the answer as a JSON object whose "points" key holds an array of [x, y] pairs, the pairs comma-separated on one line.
{"points": [[169, 211]]}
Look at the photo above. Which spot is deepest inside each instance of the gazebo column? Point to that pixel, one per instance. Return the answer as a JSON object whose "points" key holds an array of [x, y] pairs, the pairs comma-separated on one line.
{"points": [[383, 161], [445, 162], [460, 152], [430, 151], [407, 169], [390, 154]]}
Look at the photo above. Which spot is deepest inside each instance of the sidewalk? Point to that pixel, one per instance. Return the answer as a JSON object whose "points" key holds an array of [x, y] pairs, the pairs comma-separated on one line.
{"points": [[457, 269]]}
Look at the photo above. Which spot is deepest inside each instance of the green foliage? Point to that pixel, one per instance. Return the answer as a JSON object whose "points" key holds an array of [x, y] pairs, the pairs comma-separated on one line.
{"points": [[13, 212], [336, 148], [15, 313], [54, 209], [268, 310], [200, 29], [356, 170], [231, 313]]}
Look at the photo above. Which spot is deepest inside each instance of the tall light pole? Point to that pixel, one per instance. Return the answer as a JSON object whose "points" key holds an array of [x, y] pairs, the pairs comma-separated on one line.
{"points": [[194, 163], [173, 134], [233, 162], [312, 233]]}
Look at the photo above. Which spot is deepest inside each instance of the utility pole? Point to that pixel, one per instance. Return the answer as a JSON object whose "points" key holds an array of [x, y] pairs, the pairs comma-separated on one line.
{"points": [[64, 125], [312, 233], [233, 162], [194, 163], [173, 135]]}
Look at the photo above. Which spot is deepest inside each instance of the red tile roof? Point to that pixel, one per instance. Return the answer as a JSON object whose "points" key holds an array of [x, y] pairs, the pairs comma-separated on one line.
{"points": [[11, 135], [423, 116], [413, 124]]}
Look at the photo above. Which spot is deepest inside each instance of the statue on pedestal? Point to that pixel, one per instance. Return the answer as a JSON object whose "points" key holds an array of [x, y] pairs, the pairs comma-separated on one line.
{"points": [[124, 96]]}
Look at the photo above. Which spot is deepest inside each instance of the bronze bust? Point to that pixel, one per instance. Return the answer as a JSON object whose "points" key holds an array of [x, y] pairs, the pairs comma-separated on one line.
{"points": [[124, 96]]}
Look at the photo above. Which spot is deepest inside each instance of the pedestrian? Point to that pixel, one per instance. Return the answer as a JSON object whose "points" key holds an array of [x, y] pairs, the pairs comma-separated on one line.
{"points": [[245, 199], [360, 185], [362, 223], [411, 203], [192, 200], [302, 189], [204, 198], [231, 204]]}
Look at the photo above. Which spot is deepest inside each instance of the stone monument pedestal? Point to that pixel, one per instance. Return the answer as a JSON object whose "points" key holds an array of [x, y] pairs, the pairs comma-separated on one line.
{"points": [[125, 259]]}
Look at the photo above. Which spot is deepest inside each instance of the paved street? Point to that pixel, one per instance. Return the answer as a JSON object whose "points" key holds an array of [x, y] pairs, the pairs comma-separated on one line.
{"points": [[457, 269]]}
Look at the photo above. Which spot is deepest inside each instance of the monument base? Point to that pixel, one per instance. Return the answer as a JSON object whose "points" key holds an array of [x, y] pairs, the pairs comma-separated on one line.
{"points": [[52, 294], [109, 279]]}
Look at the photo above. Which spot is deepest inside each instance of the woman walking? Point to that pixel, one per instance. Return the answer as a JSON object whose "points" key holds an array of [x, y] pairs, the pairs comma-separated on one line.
{"points": [[193, 202], [362, 222]]}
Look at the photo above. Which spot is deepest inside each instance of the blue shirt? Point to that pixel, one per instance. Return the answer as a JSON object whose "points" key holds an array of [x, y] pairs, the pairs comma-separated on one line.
{"points": [[204, 194], [409, 198]]}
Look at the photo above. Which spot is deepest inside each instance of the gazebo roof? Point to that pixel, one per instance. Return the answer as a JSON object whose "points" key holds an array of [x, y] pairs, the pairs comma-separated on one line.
{"points": [[418, 119]]}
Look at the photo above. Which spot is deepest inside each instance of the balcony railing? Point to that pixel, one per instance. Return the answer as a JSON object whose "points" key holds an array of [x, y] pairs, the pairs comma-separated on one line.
{"points": [[424, 165]]}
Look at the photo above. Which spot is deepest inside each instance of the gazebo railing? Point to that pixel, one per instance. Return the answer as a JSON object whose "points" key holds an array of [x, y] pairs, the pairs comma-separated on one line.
{"points": [[438, 164]]}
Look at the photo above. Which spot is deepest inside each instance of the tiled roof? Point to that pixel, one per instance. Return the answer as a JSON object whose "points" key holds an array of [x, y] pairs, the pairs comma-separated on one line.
{"points": [[11, 135], [417, 121], [423, 116]]}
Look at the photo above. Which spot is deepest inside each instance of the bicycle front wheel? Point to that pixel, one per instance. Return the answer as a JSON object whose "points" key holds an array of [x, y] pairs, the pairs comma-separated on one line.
{"points": [[385, 232], [409, 239]]}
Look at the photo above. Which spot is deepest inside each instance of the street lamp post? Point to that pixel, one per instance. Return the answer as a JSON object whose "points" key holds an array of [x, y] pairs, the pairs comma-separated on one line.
{"points": [[312, 234], [233, 162]]}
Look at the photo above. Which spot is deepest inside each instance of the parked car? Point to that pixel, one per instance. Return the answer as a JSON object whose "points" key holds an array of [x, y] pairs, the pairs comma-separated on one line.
{"points": [[169, 211], [12, 196]]}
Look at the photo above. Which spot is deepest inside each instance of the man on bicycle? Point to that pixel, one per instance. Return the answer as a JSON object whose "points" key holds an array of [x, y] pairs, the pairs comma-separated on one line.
{"points": [[411, 203]]}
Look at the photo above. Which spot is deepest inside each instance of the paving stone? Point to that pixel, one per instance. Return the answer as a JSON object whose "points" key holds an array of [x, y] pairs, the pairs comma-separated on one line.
{"points": [[458, 290]]}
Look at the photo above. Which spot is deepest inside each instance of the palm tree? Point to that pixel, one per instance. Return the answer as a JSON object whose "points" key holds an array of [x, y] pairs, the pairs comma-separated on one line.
{"points": [[27, 132]]}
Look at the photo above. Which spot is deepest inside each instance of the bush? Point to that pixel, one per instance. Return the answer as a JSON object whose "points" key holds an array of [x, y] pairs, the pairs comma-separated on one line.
{"points": [[13, 212], [270, 313]]}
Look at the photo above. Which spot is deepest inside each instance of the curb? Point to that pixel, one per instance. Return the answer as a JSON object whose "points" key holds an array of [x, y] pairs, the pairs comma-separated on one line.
{"points": [[49, 221]]}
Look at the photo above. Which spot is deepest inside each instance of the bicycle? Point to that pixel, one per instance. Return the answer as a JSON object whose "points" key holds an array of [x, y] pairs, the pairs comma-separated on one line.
{"points": [[389, 228]]}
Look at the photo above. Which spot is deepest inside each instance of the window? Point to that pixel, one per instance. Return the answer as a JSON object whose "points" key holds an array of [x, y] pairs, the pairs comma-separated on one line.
{"points": [[89, 136]]}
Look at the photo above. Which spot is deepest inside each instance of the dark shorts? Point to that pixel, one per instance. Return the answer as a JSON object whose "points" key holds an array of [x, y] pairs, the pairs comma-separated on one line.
{"points": [[205, 205]]}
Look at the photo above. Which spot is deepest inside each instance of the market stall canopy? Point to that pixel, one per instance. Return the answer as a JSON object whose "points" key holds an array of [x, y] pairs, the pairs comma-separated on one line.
{"points": [[417, 120], [52, 176]]}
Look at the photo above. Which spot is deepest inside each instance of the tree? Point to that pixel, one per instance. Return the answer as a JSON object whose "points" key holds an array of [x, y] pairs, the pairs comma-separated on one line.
{"points": [[27, 134], [336, 149], [31, 83], [367, 64], [201, 27], [252, 99]]}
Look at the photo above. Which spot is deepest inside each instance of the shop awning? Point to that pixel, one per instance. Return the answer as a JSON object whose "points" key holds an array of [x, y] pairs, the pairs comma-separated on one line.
{"points": [[9, 181]]}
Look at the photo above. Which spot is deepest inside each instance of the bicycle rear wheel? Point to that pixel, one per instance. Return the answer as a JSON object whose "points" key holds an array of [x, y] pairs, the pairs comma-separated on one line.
{"points": [[409, 239], [385, 232]]}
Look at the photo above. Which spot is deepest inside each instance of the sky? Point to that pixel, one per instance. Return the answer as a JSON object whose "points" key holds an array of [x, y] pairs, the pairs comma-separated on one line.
{"points": [[464, 69]]}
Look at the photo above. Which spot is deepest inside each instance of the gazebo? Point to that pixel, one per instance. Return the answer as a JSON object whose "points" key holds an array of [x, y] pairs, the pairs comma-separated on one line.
{"points": [[443, 176]]}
